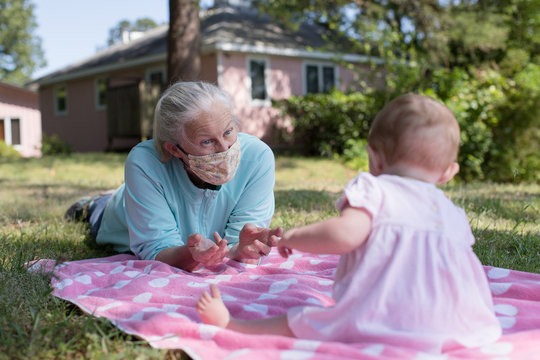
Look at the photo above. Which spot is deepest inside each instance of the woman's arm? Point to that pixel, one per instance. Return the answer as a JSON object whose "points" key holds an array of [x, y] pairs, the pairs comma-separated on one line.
{"points": [[178, 256], [247, 224], [338, 235]]}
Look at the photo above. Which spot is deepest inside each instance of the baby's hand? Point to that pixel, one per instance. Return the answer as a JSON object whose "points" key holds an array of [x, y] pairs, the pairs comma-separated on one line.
{"points": [[283, 250]]}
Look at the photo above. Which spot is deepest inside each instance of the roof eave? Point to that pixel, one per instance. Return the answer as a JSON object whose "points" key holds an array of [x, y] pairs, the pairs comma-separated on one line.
{"points": [[262, 49], [103, 69]]}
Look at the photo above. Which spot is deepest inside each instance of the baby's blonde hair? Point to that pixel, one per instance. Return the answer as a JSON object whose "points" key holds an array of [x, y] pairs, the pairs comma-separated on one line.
{"points": [[416, 130]]}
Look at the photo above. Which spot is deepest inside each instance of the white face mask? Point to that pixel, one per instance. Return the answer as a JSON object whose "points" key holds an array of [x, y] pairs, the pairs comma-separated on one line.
{"points": [[218, 168]]}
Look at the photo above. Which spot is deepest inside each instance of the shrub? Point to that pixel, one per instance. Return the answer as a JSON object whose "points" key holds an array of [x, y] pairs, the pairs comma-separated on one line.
{"points": [[473, 101], [514, 155], [355, 154], [53, 145], [324, 122], [499, 120], [8, 152]]}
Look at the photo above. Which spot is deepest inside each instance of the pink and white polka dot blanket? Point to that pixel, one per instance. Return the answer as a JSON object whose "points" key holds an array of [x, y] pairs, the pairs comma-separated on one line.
{"points": [[156, 302]]}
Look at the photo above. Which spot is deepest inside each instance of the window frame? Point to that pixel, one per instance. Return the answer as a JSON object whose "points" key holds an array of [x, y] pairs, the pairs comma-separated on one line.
{"points": [[58, 111], [8, 131], [266, 62], [320, 65]]}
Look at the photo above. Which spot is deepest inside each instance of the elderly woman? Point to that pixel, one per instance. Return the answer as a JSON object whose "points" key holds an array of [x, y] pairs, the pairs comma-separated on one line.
{"points": [[198, 179]]}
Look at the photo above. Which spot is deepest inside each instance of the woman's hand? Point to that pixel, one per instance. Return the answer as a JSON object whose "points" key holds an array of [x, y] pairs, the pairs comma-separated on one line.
{"points": [[255, 242], [205, 251]]}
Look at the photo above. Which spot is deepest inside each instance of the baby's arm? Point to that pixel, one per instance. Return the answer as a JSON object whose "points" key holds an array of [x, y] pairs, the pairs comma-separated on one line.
{"points": [[332, 236]]}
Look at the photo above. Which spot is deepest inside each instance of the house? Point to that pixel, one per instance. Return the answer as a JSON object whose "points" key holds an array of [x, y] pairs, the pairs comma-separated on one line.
{"points": [[106, 102], [20, 119]]}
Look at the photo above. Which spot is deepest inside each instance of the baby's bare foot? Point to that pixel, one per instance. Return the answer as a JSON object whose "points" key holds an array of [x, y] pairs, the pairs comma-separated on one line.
{"points": [[211, 308]]}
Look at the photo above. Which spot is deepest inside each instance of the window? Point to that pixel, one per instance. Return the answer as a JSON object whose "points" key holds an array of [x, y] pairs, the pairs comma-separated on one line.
{"points": [[15, 132], [319, 78], [101, 93], [257, 69], [60, 100], [156, 76], [256, 74], [10, 131], [312, 79]]}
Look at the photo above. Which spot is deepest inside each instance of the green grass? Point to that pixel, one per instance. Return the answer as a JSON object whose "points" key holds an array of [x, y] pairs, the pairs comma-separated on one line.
{"points": [[34, 194]]}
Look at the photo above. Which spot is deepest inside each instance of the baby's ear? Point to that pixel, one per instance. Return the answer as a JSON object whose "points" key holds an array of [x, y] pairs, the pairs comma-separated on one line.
{"points": [[449, 173]]}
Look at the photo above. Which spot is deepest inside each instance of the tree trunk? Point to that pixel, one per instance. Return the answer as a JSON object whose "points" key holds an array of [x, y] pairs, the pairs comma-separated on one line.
{"points": [[183, 41]]}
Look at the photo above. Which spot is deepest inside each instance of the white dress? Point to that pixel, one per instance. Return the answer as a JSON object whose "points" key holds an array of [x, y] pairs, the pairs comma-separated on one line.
{"points": [[416, 282]]}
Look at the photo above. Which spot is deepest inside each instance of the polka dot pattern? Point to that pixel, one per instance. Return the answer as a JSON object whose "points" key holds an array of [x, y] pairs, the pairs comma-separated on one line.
{"points": [[156, 302]]}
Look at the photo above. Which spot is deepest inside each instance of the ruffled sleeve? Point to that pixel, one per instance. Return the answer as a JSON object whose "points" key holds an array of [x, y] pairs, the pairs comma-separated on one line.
{"points": [[362, 192]]}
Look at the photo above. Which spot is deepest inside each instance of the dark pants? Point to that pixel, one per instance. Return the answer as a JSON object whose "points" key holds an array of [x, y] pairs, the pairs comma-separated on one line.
{"points": [[95, 213]]}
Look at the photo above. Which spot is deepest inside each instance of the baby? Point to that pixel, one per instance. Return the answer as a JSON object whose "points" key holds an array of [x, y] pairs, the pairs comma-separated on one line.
{"points": [[407, 272]]}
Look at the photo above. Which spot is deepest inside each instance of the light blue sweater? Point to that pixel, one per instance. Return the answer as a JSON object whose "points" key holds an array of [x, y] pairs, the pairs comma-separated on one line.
{"points": [[159, 207]]}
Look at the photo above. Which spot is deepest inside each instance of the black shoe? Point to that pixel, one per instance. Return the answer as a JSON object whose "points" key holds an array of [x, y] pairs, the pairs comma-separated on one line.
{"points": [[78, 211]]}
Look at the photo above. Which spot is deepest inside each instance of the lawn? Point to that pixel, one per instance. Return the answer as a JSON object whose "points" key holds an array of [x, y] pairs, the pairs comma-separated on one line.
{"points": [[34, 194]]}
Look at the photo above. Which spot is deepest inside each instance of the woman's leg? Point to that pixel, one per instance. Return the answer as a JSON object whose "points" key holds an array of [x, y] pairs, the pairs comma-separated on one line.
{"points": [[95, 213], [89, 209], [212, 311]]}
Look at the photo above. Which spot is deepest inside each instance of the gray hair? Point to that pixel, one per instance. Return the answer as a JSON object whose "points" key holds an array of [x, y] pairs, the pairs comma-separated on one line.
{"points": [[180, 104]]}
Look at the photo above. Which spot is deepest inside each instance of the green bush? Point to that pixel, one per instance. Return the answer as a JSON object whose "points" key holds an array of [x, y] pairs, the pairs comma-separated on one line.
{"points": [[473, 101], [53, 145], [515, 154], [324, 122], [355, 154], [8, 152], [499, 119]]}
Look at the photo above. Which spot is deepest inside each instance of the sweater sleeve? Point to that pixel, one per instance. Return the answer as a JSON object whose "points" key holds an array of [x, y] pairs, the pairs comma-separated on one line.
{"points": [[151, 224], [256, 202]]}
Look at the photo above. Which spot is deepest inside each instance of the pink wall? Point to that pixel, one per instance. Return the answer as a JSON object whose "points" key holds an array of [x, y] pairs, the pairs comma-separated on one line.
{"points": [[209, 68], [285, 77], [83, 126], [285, 80], [22, 104], [348, 78]]}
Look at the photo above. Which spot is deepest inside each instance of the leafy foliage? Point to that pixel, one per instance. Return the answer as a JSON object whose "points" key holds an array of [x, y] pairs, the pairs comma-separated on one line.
{"points": [[355, 154], [499, 120], [8, 152], [20, 49], [116, 33], [53, 145], [479, 57], [516, 137], [325, 122]]}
